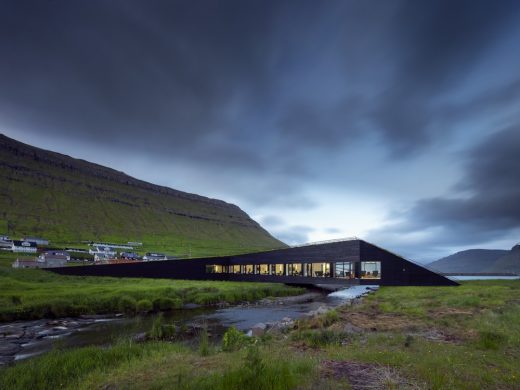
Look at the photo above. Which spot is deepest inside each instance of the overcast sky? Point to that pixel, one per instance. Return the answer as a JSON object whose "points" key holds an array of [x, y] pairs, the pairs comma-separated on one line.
{"points": [[395, 121]]}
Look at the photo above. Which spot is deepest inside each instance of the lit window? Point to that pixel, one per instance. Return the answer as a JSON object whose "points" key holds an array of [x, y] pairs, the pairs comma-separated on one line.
{"points": [[214, 269], [264, 269], [320, 270], [295, 269], [249, 269], [344, 270], [371, 270], [277, 269]]}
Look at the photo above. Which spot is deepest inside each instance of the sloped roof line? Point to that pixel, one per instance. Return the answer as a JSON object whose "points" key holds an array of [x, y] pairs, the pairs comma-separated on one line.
{"points": [[411, 261], [326, 242]]}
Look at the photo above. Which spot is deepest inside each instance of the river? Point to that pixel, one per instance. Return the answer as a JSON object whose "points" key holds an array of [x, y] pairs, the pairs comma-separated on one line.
{"points": [[73, 333]]}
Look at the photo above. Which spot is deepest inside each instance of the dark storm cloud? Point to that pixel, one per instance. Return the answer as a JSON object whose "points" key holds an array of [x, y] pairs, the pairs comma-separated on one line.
{"points": [[270, 89], [423, 51], [489, 206]]}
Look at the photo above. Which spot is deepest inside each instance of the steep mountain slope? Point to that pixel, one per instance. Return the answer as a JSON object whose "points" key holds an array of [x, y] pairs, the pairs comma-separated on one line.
{"points": [[69, 200], [472, 260], [510, 262]]}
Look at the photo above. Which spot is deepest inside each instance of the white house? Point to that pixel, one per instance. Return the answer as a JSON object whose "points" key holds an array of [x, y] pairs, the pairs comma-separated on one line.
{"points": [[154, 257], [24, 246], [102, 253]]}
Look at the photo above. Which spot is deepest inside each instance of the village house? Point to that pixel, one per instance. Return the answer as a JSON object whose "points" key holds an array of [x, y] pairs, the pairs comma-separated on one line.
{"points": [[154, 257], [129, 255], [6, 245], [52, 259], [36, 240], [26, 263], [24, 246], [102, 253]]}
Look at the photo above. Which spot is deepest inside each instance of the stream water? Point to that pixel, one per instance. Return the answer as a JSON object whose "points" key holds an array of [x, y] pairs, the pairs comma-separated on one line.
{"points": [[104, 331]]}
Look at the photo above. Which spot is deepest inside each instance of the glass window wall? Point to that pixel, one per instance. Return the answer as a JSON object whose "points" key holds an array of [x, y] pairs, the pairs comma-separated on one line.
{"points": [[294, 270], [344, 270], [370, 270], [277, 269], [264, 269], [319, 270]]}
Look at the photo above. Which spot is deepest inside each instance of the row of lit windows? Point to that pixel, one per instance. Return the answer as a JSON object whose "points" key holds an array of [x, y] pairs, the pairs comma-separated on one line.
{"points": [[345, 270]]}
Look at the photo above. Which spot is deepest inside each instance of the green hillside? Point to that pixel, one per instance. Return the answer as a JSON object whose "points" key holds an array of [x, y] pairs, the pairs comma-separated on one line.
{"points": [[68, 201]]}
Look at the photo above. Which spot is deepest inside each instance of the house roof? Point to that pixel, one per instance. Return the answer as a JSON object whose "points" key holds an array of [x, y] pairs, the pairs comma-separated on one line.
{"points": [[24, 243]]}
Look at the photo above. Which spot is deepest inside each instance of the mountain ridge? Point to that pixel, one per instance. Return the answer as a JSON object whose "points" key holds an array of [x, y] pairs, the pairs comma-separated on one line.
{"points": [[71, 200], [471, 260]]}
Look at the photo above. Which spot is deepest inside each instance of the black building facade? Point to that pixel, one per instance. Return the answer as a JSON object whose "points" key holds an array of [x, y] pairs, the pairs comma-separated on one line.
{"points": [[348, 262]]}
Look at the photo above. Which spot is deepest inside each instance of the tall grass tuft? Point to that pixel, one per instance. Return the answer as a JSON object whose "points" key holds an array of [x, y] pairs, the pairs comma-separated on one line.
{"points": [[204, 345]]}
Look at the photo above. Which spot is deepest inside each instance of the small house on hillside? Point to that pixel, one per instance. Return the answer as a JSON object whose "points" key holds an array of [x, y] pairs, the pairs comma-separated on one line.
{"points": [[36, 240], [6, 245], [26, 263], [129, 256], [52, 259], [154, 257], [102, 253], [24, 246], [48, 254], [4, 237]]}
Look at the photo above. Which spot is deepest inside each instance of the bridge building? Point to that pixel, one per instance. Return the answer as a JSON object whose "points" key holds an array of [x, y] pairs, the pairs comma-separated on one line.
{"points": [[346, 262]]}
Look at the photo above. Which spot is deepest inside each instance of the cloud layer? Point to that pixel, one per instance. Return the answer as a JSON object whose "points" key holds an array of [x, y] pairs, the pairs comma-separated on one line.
{"points": [[277, 104]]}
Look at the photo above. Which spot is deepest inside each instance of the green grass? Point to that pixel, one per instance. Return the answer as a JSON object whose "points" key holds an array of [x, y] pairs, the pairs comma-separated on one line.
{"points": [[157, 365], [69, 201], [32, 294], [479, 324], [480, 349]]}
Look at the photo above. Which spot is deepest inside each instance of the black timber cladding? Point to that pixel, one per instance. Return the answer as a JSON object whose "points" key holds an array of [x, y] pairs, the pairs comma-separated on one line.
{"points": [[395, 271]]}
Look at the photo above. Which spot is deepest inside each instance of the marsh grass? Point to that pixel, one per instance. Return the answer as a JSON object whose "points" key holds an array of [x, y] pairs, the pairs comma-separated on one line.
{"points": [[33, 294], [484, 353], [465, 337], [61, 368], [319, 337]]}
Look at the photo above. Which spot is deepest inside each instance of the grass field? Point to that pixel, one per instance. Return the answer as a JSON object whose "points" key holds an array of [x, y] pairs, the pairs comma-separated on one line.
{"points": [[465, 337], [32, 294]]}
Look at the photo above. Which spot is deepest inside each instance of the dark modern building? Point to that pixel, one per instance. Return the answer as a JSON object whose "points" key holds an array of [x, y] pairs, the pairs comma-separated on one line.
{"points": [[347, 262]]}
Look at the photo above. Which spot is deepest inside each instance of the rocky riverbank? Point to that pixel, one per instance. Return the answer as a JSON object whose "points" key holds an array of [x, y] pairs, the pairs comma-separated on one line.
{"points": [[16, 336], [355, 296]]}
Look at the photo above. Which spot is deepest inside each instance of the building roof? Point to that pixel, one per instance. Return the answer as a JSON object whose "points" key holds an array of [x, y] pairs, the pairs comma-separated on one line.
{"points": [[56, 253], [24, 243], [55, 257]]}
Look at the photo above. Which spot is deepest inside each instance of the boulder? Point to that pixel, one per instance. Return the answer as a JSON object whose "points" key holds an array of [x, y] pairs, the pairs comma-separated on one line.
{"points": [[258, 329]]}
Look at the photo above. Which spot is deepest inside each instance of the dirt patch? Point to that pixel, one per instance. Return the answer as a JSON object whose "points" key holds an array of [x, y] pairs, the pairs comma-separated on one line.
{"points": [[362, 376], [374, 321]]}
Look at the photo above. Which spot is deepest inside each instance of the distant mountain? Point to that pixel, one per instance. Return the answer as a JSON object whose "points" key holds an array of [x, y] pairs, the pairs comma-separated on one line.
{"points": [[509, 262], [472, 260], [67, 200]]}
